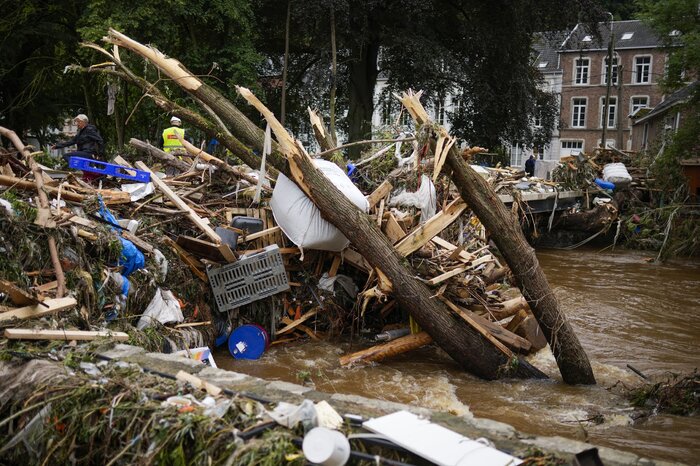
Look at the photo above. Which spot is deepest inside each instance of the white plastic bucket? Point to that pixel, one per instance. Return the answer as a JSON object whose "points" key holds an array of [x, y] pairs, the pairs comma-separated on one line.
{"points": [[326, 447]]}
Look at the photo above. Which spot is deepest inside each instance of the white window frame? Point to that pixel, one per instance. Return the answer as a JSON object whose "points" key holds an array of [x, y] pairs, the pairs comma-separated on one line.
{"points": [[572, 142], [632, 106], [612, 110], [635, 77], [440, 114], [573, 111], [587, 74], [615, 68]]}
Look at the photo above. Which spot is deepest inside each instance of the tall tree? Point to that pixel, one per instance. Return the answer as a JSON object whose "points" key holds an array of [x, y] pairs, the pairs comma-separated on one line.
{"points": [[479, 49]]}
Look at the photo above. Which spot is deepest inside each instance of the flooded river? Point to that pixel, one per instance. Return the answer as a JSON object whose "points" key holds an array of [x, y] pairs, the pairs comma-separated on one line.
{"points": [[625, 311]]}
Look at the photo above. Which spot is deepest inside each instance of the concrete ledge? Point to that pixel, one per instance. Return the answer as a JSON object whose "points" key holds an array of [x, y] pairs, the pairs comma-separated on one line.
{"points": [[504, 436]]}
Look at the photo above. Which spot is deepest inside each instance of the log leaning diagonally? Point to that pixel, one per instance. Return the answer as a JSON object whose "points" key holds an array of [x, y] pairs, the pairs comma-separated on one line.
{"points": [[460, 340], [571, 358], [237, 122]]}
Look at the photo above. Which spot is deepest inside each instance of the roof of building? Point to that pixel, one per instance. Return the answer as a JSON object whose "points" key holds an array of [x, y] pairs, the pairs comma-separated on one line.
{"points": [[633, 34], [546, 47], [678, 97]]}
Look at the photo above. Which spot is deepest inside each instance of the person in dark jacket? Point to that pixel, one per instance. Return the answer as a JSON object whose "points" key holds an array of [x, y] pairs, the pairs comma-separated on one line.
{"points": [[530, 166], [88, 139]]}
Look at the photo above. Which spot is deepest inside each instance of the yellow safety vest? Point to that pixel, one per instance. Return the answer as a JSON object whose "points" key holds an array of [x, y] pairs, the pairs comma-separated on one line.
{"points": [[170, 140]]}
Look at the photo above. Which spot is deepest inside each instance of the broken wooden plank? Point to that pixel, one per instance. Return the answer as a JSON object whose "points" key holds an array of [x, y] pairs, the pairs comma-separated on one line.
{"points": [[196, 219], [380, 193], [356, 259], [253, 236], [426, 232], [67, 335], [475, 325], [299, 321], [19, 296], [50, 306], [447, 275], [393, 230], [464, 256], [193, 263], [196, 382], [334, 266], [286, 320]]}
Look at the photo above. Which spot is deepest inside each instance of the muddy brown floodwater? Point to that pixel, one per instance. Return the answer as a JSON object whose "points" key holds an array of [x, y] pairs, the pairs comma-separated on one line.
{"points": [[625, 311]]}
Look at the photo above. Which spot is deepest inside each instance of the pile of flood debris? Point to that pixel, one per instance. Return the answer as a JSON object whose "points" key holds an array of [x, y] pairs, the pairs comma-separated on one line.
{"points": [[184, 251]]}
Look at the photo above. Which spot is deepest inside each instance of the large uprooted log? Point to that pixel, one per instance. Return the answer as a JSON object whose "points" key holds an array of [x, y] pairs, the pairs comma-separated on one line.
{"points": [[505, 231], [463, 342], [468, 344]]}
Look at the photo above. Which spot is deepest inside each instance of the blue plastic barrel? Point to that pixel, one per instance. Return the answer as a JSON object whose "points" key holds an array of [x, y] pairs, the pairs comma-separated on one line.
{"points": [[248, 342], [604, 184]]}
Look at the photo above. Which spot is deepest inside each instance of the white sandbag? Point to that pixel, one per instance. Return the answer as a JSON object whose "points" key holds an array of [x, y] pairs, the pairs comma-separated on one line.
{"points": [[301, 220], [616, 173]]}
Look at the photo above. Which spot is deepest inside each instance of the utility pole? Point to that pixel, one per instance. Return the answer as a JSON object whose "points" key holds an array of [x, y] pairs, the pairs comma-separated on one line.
{"points": [[609, 82]]}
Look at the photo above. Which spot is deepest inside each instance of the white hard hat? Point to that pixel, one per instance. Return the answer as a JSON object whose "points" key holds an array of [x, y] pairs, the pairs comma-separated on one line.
{"points": [[175, 120]]}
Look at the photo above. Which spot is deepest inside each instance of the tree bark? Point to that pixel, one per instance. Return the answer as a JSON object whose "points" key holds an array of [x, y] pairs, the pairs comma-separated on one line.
{"points": [[159, 154], [387, 350], [363, 78], [461, 341], [244, 128], [210, 128], [505, 231]]}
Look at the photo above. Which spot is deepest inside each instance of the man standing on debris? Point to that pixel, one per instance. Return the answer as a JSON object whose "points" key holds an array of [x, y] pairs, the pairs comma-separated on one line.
{"points": [[88, 139], [170, 140], [530, 166]]}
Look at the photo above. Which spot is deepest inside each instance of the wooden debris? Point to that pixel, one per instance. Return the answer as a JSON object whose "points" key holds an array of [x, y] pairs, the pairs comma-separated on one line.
{"points": [[48, 307], [389, 349], [67, 335]]}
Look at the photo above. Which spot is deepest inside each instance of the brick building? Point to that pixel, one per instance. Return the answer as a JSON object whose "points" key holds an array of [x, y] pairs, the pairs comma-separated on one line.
{"points": [[638, 65]]}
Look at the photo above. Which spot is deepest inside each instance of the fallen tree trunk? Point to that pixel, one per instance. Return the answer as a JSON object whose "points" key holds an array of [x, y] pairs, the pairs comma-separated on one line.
{"points": [[505, 231], [223, 166], [461, 341], [387, 350], [153, 151], [231, 116]]}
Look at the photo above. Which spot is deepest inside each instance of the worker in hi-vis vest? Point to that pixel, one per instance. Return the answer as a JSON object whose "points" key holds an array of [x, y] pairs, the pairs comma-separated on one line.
{"points": [[170, 140]]}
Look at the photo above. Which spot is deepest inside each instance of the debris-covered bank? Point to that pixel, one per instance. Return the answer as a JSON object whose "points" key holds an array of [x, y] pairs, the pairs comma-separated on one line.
{"points": [[182, 252]]}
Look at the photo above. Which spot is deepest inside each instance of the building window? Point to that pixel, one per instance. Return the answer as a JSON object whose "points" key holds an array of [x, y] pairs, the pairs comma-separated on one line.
{"points": [[642, 69], [569, 145], [612, 111], [578, 112], [581, 66], [638, 102], [440, 111], [538, 118], [387, 114], [614, 71]]}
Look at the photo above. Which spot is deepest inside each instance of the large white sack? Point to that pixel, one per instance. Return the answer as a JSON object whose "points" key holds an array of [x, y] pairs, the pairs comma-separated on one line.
{"points": [[616, 173], [301, 220]]}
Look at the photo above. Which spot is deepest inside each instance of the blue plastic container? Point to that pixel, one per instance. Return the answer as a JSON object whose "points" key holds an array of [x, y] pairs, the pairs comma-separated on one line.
{"points": [[604, 184], [104, 168], [248, 342]]}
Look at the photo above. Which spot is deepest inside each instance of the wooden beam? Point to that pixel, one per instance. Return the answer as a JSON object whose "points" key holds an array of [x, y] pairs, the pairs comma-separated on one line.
{"points": [[447, 275], [393, 230], [464, 256], [421, 235], [19, 296], [468, 317], [334, 266], [356, 259], [299, 321], [50, 306], [379, 193], [260, 234], [196, 382], [67, 335], [196, 219]]}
